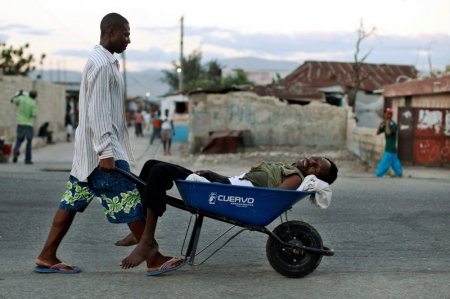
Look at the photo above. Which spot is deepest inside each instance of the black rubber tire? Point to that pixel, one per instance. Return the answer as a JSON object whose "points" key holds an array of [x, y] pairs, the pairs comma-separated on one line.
{"points": [[294, 263]]}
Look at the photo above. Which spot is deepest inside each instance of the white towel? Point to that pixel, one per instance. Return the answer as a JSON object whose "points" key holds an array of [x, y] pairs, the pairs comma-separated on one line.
{"points": [[322, 196], [196, 178]]}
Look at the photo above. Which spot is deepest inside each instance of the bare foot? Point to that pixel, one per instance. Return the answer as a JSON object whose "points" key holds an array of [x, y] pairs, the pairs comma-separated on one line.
{"points": [[47, 261], [157, 260], [129, 240], [142, 252]]}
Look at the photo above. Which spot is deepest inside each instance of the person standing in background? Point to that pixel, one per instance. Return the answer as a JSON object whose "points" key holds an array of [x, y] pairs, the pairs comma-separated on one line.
{"points": [[69, 126], [167, 132], [26, 114], [390, 156], [138, 123], [156, 122], [45, 133], [145, 121]]}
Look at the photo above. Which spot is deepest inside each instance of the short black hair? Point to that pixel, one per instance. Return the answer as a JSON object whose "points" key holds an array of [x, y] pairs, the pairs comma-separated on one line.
{"points": [[33, 94], [332, 174], [113, 20]]}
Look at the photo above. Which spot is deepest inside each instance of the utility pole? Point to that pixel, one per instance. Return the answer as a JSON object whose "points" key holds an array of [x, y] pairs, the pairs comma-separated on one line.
{"points": [[180, 82], [124, 77]]}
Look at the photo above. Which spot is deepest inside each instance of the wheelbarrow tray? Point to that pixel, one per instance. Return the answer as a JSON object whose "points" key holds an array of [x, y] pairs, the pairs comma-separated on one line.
{"points": [[253, 205]]}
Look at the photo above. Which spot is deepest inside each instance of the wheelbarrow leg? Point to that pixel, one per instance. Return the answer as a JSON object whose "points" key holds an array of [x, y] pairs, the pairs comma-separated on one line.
{"points": [[195, 236]]}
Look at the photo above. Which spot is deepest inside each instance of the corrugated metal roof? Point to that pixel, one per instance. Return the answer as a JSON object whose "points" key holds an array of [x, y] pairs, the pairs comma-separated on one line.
{"points": [[418, 87], [220, 90], [293, 92], [325, 73]]}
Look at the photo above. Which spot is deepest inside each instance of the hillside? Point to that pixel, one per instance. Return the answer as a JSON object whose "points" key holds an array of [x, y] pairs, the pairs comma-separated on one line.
{"points": [[139, 83]]}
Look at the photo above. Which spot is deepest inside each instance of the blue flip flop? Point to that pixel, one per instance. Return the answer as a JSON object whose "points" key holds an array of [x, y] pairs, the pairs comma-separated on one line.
{"points": [[168, 266], [60, 268]]}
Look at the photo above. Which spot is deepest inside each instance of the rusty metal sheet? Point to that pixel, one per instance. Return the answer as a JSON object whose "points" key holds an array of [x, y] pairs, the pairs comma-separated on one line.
{"points": [[447, 123], [427, 151], [445, 151], [222, 142], [429, 143], [406, 134], [323, 73], [429, 123]]}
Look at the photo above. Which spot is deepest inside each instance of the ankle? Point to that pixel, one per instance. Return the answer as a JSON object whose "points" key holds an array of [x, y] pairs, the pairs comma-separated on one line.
{"points": [[152, 243]]}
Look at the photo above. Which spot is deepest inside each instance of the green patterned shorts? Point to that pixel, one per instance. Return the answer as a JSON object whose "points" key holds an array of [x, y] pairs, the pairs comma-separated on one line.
{"points": [[119, 197]]}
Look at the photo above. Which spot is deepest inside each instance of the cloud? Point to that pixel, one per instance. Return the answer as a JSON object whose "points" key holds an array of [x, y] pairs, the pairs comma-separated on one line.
{"points": [[154, 54], [273, 43], [23, 30], [331, 46], [158, 29], [217, 43], [73, 53], [12, 27]]}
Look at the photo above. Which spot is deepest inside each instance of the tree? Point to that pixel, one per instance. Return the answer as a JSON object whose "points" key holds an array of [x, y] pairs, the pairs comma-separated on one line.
{"points": [[191, 68], [359, 76], [214, 72], [238, 78], [195, 76], [15, 62], [277, 79]]}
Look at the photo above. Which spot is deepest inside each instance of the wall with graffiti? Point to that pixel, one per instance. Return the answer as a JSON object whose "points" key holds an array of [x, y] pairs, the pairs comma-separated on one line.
{"points": [[425, 132]]}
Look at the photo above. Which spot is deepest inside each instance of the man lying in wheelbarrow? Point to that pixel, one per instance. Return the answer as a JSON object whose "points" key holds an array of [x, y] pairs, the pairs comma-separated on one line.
{"points": [[160, 176]]}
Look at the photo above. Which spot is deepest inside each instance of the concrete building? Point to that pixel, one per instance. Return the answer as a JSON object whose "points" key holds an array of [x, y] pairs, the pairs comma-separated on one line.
{"points": [[51, 106], [267, 120], [178, 106]]}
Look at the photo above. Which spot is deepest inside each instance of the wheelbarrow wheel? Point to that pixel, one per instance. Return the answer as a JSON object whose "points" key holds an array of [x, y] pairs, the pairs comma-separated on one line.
{"points": [[292, 262]]}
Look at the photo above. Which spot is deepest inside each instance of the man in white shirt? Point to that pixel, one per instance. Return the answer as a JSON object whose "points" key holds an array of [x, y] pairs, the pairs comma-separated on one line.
{"points": [[101, 144]]}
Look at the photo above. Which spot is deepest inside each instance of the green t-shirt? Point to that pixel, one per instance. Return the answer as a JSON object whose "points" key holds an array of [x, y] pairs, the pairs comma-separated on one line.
{"points": [[270, 174], [27, 110], [391, 140]]}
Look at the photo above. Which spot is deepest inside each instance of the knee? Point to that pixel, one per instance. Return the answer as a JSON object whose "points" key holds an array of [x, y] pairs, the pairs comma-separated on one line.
{"points": [[148, 166], [161, 173], [151, 163]]}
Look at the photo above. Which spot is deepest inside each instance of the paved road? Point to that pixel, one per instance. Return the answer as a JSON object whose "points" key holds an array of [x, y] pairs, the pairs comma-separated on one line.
{"points": [[391, 238]]}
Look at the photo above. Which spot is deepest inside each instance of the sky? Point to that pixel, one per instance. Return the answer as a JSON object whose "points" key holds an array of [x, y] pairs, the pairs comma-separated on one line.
{"points": [[411, 32]]}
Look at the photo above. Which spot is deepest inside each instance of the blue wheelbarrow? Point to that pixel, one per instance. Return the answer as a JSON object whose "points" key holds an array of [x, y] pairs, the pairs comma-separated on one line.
{"points": [[293, 248]]}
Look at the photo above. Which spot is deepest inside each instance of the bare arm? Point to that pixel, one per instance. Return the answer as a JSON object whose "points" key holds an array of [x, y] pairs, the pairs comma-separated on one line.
{"points": [[388, 128], [291, 182], [381, 127]]}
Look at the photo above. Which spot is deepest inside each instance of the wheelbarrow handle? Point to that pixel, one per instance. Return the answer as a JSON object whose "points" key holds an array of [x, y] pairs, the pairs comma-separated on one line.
{"points": [[131, 176]]}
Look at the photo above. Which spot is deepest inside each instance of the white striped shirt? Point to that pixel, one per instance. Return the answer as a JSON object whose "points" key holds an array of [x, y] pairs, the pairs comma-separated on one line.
{"points": [[102, 131]]}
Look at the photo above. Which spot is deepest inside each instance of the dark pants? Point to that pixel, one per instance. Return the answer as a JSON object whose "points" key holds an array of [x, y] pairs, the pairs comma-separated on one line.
{"points": [[155, 134], [159, 177], [24, 132], [138, 129]]}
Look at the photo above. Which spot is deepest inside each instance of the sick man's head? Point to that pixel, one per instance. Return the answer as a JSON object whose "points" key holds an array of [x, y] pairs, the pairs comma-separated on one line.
{"points": [[323, 168]]}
